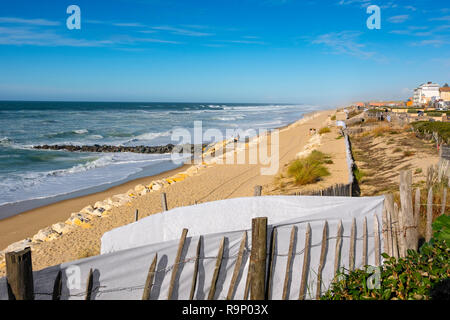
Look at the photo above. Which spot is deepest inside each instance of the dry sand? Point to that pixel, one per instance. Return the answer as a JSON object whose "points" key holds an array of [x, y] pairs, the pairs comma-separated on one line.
{"points": [[214, 182]]}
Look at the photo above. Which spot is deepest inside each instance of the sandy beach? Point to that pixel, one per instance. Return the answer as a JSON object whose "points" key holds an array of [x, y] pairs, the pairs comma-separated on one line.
{"points": [[213, 182]]}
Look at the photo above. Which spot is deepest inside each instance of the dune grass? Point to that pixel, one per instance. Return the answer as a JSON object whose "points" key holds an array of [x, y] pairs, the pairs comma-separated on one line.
{"points": [[309, 169], [324, 130]]}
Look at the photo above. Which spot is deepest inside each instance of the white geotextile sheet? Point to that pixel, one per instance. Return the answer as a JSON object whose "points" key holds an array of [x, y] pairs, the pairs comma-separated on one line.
{"points": [[122, 274], [229, 215]]}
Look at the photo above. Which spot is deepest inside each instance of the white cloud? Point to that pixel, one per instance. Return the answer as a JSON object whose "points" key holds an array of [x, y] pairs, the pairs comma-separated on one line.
{"points": [[398, 19], [184, 32], [35, 22], [444, 18]]}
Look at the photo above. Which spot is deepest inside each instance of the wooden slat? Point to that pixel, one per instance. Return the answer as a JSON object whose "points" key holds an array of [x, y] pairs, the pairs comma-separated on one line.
{"points": [[177, 263], [136, 215], [395, 233], [390, 235], [287, 276], [90, 283], [149, 281], [237, 267], [19, 275], [384, 228], [194, 275], [322, 259], [364, 254], [429, 229], [257, 191], [351, 263], [258, 258], [444, 201], [376, 235], [271, 263], [337, 251], [417, 210], [305, 262], [247, 283], [409, 232], [212, 290], [57, 286], [164, 201]]}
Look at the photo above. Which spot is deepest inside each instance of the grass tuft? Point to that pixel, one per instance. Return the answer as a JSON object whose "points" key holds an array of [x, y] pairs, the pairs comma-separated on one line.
{"points": [[310, 169], [324, 130]]}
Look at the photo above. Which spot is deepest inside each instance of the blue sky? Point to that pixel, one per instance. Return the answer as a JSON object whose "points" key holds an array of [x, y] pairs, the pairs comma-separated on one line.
{"points": [[286, 51]]}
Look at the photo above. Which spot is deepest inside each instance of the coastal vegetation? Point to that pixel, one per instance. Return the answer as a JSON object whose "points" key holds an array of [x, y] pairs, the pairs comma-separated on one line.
{"points": [[414, 277], [309, 169], [410, 278], [441, 128], [324, 130]]}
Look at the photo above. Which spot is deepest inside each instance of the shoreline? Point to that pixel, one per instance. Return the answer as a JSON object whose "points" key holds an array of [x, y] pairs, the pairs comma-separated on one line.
{"points": [[26, 224]]}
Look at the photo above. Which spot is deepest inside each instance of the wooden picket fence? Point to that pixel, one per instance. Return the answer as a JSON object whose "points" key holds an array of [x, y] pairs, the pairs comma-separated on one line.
{"points": [[337, 190], [399, 232]]}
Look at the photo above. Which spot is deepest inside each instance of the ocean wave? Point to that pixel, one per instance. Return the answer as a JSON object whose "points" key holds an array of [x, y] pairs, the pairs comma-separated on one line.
{"points": [[5, 141], [149, 136], [81, 131]]}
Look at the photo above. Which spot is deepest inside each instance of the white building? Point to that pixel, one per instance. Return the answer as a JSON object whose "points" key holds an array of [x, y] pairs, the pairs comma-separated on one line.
{"points": [[425, 93]]}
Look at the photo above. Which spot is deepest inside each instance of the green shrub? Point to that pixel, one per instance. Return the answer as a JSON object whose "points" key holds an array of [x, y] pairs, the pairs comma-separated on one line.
{"points": [[359, 174], [442, 128], [409, 278], [333, 117], [310, 169], [324, 130], [408, 153]]}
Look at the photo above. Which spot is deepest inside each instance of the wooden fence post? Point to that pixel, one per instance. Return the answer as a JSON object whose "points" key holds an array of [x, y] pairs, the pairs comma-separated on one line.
{"points": [[258, 190], [258, 258], [364, 253], [376, 234], [149, 281], [351, 256], [57, 286], [322, 259], [428, 229], [409, 228], [398, 240], [212, 290], [237, 267], [417, 210], [164, 201], [19, 275], [444, 201], [337, 251], [301, 295], [288, 263], [89, 285], [136, 215], [176, 264]]}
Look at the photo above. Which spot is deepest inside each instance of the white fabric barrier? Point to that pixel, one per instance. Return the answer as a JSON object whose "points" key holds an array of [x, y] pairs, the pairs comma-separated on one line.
{"points": [[122, 274], [229, 215]]}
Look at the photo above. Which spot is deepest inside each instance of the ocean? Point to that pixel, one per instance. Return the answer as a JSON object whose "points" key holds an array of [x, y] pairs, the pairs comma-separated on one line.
{"points": [[30, 178]]}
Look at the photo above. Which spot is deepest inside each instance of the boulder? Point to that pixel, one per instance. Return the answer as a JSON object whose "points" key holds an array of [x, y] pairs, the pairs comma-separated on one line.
{"points": [[19, 245], [46, 234], [156, 186], [139, 188], [98, 212], [98, 204], [62, 228], [87, 210], [79, 219]]}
